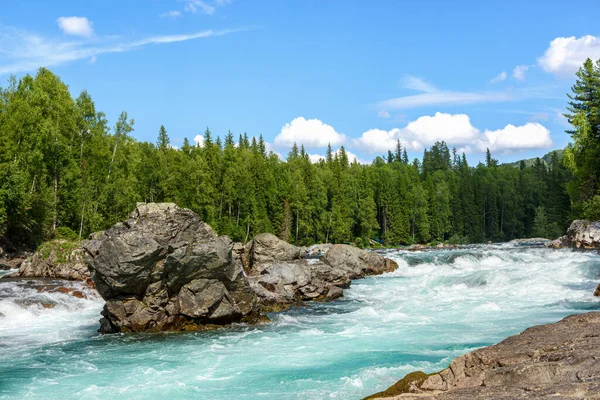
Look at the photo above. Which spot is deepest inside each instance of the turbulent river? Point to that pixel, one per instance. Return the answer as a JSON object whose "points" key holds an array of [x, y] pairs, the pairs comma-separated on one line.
{"points": [[436, 306]]}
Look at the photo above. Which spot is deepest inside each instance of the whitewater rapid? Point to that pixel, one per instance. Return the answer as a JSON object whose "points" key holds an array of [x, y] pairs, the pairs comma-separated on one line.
{"points": [[436, 306]]}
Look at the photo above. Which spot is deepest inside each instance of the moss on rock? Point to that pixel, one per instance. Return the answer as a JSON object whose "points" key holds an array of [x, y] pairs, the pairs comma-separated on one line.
{"points": [[404, 385]]}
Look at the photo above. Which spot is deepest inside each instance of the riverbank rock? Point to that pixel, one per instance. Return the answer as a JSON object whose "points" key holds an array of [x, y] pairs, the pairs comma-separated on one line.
{"points": [[582, 234], [57, 259], [165, 269], [559, 360]]}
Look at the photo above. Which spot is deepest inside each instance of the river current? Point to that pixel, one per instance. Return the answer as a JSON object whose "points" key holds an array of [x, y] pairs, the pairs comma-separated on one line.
{"points": [[436, 306]]}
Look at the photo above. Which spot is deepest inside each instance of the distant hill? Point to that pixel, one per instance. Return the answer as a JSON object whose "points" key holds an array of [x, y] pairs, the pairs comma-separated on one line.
{"points": [[545, 159]]}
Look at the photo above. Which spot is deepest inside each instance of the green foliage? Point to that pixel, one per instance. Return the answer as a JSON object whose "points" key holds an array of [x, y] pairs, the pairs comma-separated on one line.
{"points": [[582, 157], [457, 239], [65, 174], [61, 249], [64, 232]]}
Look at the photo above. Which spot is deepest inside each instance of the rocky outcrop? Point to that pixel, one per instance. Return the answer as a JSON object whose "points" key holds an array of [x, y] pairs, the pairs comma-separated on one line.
{"points": [[165, 269], [582, 234], [282, 274], [57, 259], [559, 360]]}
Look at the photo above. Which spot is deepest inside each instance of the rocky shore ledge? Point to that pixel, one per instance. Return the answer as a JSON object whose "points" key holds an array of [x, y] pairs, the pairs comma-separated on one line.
{"points": [[165, 269], [560, 360]]}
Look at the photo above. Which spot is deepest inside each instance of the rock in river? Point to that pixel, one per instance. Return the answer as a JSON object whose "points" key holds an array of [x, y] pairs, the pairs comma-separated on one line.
{"points": [[165, 269]]}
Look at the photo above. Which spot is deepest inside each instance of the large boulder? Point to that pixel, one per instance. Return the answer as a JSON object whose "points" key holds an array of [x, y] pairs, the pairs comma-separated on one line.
{"points": [[582, 234], [165, 269], [56, 259], [548, 361]]}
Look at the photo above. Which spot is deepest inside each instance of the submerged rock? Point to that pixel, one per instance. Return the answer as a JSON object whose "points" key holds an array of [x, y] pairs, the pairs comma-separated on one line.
{"points": [[165, 269], [557, 360]]}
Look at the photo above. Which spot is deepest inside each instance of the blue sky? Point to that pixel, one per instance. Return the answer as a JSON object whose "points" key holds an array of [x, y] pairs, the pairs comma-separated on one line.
{"points": [[360, 74]]}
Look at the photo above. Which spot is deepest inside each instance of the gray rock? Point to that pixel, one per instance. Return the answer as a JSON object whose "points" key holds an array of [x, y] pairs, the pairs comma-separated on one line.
{"points": [[165, 269], [556, 360], [281, 276], [358, 263], [267, 248], [58, 259], [582, 234]]}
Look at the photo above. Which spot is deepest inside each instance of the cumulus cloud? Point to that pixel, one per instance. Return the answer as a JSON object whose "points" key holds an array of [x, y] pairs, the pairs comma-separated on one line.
{"points": [[424, 131], [312, 133], [24, 51], [76, 26], [519, 72], [199, 140], [565, 55], [499, 78], [456, 130], [529, 136]]}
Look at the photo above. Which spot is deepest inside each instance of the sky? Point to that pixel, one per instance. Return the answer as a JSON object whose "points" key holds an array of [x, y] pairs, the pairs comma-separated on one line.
{"points": [[476, 74]]}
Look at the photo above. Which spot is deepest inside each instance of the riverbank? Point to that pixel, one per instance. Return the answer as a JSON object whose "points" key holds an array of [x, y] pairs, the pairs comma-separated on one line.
{"points": [[558, 360]]}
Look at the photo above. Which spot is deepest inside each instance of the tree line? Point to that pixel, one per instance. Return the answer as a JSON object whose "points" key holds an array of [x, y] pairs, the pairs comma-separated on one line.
{"points": [[64, 171]]}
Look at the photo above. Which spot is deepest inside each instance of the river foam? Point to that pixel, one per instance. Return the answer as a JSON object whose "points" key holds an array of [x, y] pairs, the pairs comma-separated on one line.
{"points": [[436, 306]]}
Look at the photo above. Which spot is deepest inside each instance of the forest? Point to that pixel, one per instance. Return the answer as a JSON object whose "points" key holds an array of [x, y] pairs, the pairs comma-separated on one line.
{"points": [[64, 172]]}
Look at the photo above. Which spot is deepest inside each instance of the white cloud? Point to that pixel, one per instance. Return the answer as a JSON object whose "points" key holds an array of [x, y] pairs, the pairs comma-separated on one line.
{"points": [[519, 72], [170, 14], [420, 133], [198, 5], [93, 60], [24, 51], [515, 138], [499, 78], [418, 84], [311, 133], [565, 55], [383, 114], [455, 130], [76, 26], [443, 98], [199, 140]]}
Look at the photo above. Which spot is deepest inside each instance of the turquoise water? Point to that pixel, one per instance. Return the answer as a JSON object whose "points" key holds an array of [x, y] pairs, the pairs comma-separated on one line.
{"points": [[437, 306]]}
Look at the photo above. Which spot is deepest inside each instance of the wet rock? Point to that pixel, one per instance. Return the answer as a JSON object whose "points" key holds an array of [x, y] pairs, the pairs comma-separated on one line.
{"points": [[556, 360]]}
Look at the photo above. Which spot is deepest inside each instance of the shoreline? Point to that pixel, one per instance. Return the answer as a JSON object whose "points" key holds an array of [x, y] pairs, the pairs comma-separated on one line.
{"points": [[557, 359]]}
